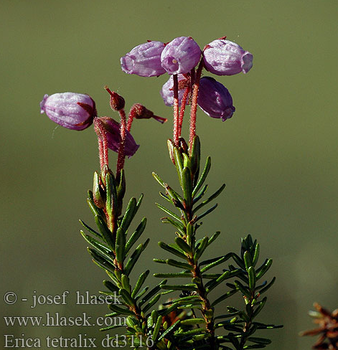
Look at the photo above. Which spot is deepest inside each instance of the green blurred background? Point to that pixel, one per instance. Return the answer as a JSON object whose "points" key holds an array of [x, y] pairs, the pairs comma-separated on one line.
{"points": [[277, 155]]}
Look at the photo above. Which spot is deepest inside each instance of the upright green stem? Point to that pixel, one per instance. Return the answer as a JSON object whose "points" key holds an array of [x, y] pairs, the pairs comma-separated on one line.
{"points": [[207, 310]]}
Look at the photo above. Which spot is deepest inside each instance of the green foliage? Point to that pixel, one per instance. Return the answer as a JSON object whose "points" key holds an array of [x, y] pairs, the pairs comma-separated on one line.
{"points": [[188, 251], [187, 320]]}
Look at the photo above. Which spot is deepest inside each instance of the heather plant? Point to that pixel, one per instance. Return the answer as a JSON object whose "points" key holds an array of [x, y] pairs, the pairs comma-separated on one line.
{"points": [[183, 310]]}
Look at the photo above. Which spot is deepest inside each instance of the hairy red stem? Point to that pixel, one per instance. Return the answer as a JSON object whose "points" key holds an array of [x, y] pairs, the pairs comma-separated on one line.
{"points": [[182, 110], [103, 143], [121, 155], [176, 134], [193, 109]]}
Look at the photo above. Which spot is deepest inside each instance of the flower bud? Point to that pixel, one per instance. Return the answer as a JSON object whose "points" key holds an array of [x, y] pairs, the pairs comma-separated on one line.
{"points": [[144, 60], [138, 111], [181, 55], [214, 99], [116, 101], [167, 91], [224, 57], [70, 110], [112, 129]]}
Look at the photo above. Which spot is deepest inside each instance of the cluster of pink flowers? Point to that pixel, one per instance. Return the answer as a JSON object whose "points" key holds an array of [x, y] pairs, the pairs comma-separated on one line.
{"points": [[180, 57]]}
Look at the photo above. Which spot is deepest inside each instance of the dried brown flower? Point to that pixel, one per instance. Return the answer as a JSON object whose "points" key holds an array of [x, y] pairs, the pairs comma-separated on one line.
{"points": [[327, 328]]}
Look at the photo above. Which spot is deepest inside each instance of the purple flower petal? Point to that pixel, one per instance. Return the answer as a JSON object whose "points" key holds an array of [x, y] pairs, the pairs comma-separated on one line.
{"points": [[70, 110], [181, 55], [214, 99], [144, 60], [112, 128], [224, 57], [167, 91]]}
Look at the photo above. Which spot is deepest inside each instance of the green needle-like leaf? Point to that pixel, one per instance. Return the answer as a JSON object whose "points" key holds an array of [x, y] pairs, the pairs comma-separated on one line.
{"points": [[195, 156], [256, 255], [120, 245], [252, 277], [134, 257], [101, 261], [120, 310], [132, 322], [214, 237], [172, 250], [201, 248], [152, 292], [192, 321], [247, 259], [187, 186], [214, 262], [151, 303], [186, 287], [242, 289], [111, 286], [96, 244], [223, 297], [238, 261], [206, 212], [259, 307], [261, 341], [125, 283], [136, 235], [172, 275], [111, 201], [263, 290], [159, 180], [152, 318], [121, 187], [175, 197], [225, 275], [186, 161], [179, 225], [169, 212], [138, 204], [142, 292], [160, 261], [189, 230], [208, 200], [200, 194], [211, 276], [113, 278], [157, 328], [165, 197], [169, 330], [95, 233], [139, 283], [105, 232], [178, 164], [129, 214], [179, 264], [203, 176], [183, 245], [263, 269], [188, 299], [127, 297]]}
